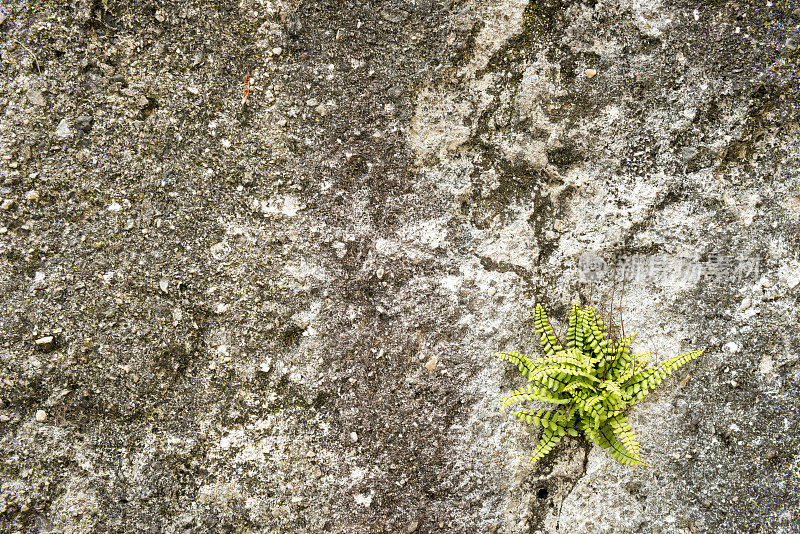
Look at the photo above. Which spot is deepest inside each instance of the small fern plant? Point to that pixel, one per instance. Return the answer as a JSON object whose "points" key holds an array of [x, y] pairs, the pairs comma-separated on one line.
{"points": [[591, 378]]}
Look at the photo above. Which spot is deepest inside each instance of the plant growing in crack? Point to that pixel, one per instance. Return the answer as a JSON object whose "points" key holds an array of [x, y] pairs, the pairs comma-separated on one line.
{"points": [[592, 378]]}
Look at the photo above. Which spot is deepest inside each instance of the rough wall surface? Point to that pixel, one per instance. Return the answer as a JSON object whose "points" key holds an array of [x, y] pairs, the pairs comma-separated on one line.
{"points": [[279, 315]]}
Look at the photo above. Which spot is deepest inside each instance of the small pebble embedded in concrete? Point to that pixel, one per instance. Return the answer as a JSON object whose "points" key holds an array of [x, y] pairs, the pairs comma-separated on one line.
{"points": [[430, 365], [63, 130], [84, 123], [45, 343]]}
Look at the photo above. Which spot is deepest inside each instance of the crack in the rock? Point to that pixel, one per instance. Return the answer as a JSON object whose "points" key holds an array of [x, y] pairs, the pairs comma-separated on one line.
{"points": [[575, 483], [504, 267]]}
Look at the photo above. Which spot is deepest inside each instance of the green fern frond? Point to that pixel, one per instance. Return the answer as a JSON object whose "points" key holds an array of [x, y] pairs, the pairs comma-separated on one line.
{"points": [[534, 417], [569, 356], [594, 333], [597, 377], [556, 370], [625, 435], [579, 384], [547, 336], [532, 394], [549, 440], [640, 384], [622, 355], [621, 397], [523, 363], [593, 410], [617, 437], [640, 360], [637, 364], [554, 383], [572, 329]]}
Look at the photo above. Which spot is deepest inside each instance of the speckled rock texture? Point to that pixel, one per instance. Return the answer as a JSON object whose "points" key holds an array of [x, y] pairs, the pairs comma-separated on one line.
{"points": [[275, 310]]}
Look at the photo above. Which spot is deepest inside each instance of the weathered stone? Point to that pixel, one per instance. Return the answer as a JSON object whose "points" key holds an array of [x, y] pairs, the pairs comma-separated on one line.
{"points": [[84, 123], [45, 343], [63, 131], [461, 165]]}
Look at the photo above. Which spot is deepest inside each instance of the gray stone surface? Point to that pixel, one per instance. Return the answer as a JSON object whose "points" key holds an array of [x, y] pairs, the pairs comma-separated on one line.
{"points": [[279, 315]]}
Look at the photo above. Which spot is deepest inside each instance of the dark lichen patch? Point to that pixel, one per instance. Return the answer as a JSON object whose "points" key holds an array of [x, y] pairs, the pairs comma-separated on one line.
{"points": [[566, 154], [724, 48], [292, 334], [542, 18]]}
